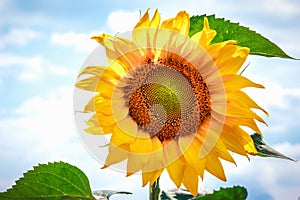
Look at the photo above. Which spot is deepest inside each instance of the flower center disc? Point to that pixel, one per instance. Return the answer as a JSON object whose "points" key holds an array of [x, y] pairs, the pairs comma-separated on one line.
{"points": [[168, 99]]}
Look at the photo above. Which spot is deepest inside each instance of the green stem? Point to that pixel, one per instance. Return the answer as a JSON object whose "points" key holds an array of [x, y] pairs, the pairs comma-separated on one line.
{"points": [[154, 192]]}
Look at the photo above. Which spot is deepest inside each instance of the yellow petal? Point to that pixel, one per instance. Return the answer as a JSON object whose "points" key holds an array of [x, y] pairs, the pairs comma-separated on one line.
{"points": [[190, 179], [232, 141], [144, 34], [155, 20], [134, 164], [221, 151], [92, 70], [104, 119], [106, 106], [95, 130], [243, 121], [94, 103], [233, 83], [205, 36], [156, 160], [245, 140], [234, 110], [128, 126], [139, 154], [124, 52], [95, 84], [142, 144], [123, 136], [105, 88], [144, 21], [171, 152], [212, 144], [99, 78], [118, 68], [151, 177], [100, 124], [175, 171], [190, 147], [101, 38], [167, 24], [215, 167], [228, 56], [154, 166], [116, 154], [243, 99], [181, 23], [89, 84], [94, 127]]}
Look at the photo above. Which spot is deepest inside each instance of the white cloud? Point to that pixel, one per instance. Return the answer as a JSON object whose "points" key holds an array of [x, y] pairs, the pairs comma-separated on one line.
{"points": [[43, 131], [121, 21], [2, 4], [80, 41], [274, 95], [31, 68], [58, 70], [18, 37], [287, 9], [282, 8], [276, 177], [7, 60], [278, 99]]}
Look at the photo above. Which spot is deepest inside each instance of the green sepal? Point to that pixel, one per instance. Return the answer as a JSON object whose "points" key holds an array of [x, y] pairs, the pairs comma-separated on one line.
{"points": [[265, 150]]}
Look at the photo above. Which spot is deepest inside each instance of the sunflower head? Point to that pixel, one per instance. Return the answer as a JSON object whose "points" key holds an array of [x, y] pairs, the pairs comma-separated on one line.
{"points": [[170, 101]]}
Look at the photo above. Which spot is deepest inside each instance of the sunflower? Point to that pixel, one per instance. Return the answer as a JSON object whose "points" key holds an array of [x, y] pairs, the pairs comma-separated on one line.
{"points": [[171, 101]]}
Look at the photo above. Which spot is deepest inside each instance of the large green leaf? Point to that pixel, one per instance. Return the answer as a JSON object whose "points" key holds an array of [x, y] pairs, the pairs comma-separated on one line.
{"points": [[50, 182], [265, 150], [245, 37], [233, 193]]}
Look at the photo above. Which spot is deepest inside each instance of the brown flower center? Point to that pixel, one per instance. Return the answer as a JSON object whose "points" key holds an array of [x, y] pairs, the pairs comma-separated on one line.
{"points": [[167, 99]]}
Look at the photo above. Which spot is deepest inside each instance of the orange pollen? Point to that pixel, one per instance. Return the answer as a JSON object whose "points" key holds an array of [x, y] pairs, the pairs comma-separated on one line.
{"points": [[167, 99]]}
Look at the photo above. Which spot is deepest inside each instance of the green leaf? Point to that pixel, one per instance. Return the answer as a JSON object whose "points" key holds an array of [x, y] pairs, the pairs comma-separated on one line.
{"points": [[245, 37], [178, 194], [51, 181], [233, 193], [264, 150], [108, 193]]}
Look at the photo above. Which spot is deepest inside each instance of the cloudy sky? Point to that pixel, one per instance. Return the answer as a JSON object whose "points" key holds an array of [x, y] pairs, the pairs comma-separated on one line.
{"points": [[43, 45]]}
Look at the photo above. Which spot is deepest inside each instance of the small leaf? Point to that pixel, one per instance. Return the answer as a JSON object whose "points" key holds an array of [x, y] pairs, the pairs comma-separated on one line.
{"points": [[178, 194], [233, 193], [51, 181], [245, 37], [264, 150], [107, 193], [181, 194]]}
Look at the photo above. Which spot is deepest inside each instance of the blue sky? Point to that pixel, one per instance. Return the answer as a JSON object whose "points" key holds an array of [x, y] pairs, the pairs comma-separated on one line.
{"points": [[43, 45]]}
